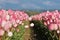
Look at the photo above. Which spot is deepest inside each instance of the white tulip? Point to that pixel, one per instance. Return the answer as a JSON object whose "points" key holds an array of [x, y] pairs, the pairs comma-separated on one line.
{"points": [[10, 34], [32, 24], [26, 26], [58, 31], [30, 18]]}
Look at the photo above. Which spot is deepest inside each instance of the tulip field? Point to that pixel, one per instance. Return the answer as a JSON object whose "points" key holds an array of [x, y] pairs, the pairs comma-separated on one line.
{"points": [[16, 25], [13, 24]]}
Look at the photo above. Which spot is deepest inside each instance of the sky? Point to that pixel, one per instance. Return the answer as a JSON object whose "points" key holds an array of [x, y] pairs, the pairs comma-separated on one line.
{"points": [[29, 4]]}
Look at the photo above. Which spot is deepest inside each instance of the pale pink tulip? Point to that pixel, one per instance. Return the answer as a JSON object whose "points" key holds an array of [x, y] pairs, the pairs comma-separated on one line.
{"points": [[1, 32], [53, 26]]}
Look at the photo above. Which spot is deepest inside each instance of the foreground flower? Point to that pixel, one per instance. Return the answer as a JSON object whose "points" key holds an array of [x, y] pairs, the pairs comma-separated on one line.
{"points": [[10, 34]]}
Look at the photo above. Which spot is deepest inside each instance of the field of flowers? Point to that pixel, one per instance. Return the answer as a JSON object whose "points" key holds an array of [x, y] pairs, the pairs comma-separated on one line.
{"points": [[46, 26], [15, 25]]}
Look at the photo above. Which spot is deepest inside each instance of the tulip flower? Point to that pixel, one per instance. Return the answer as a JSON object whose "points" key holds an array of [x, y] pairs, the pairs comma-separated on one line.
{"points": [[32, 24], [1, 32], [10, 34]]}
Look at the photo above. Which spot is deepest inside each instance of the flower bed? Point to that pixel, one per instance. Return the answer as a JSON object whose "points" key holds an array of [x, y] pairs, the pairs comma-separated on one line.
{"points": [[13, 24], [47, 25]]}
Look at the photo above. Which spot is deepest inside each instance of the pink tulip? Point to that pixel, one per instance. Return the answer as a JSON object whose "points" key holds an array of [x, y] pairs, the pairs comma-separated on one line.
{"points": [[7, 26], [1, 32], [0, 20], [53, 26], [15, 25], [48, 22], [20, 22], [45, 23], [1, 13], [10, 12], [51, 20]]}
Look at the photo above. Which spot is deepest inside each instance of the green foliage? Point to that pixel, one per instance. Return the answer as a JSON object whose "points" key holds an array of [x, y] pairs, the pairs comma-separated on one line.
{"points": [[41, 32], [16, 35]]}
